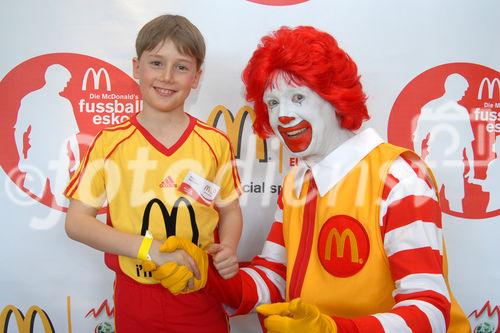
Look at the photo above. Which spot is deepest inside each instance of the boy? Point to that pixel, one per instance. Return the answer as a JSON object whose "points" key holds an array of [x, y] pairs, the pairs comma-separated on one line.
{"points": [[163, 173]]}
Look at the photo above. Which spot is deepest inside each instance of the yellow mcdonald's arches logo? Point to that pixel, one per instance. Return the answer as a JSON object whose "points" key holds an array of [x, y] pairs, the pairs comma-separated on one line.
{"points": [[25, 324], [340, 240], [234, 128]]}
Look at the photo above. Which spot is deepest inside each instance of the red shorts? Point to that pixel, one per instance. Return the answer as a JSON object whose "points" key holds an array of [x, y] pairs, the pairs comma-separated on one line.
{"points": [[153, 309]]}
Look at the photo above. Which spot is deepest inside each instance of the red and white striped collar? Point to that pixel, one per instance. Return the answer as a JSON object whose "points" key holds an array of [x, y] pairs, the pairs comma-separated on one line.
{"points": [[329, 171]]}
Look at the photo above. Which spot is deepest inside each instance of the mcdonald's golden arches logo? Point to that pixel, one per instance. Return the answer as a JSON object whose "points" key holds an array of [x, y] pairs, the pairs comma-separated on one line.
{"points": [[235, 126], [25, 323], [343, 246]]}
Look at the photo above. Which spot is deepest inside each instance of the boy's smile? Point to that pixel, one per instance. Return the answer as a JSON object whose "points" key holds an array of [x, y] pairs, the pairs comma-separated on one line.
{"points": [[166, 77], [164, 92]]}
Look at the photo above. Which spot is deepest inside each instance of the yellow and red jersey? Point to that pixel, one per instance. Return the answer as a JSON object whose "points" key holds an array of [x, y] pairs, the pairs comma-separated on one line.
{"points": [[151, 187]]}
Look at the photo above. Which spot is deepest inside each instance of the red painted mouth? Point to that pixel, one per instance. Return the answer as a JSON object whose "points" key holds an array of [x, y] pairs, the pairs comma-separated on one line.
{"points": [[298, 137]]}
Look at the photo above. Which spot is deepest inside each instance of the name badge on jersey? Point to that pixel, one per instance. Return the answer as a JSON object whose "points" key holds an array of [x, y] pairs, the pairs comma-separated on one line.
{"points": [[200, 189]]}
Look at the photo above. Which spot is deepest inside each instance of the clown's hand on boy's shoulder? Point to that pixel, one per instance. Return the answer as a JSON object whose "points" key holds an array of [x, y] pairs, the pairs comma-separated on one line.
{"points": [[295, 317], [176, 277]]}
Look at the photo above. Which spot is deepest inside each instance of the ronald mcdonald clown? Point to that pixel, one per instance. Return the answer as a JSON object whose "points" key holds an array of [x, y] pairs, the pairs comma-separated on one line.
{"points": [[356, 245]]}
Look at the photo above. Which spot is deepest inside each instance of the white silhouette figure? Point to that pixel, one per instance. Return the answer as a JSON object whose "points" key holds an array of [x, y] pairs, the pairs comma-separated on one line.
{"points": [[490, 183], [48, 120], [446, 126]]}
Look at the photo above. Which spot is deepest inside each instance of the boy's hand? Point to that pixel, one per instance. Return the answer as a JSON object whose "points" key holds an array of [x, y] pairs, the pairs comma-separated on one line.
{"points": [[225, 260]]}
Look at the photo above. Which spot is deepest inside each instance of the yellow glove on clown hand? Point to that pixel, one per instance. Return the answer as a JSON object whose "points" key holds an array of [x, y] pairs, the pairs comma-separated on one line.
{"points": [[295, 317], [173, 277], [148, 265], [176, 277]]}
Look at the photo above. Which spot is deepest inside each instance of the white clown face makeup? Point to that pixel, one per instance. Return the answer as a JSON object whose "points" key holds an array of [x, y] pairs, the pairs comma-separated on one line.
{"points": [[305, 122]]}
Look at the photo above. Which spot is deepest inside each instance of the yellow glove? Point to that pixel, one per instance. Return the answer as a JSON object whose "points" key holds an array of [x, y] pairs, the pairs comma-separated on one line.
{"points": [[148, 265], [170, 276], [295, 317], [174, 277]]}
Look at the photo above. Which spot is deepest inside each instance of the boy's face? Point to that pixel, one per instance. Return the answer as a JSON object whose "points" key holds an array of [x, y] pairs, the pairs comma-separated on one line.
{"points": [[304, 121], [166, 77]]}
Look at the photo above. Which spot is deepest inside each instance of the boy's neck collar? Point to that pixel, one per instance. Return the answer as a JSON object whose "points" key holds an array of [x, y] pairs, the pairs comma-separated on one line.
{"points": [[160, 120]]}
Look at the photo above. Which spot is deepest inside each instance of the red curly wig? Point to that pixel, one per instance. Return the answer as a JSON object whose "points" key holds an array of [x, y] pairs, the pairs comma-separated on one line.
{"points": [[312, 58]]}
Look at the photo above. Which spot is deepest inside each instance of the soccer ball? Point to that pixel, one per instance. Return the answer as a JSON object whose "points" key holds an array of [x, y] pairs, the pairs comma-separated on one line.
{"points": [[104, 327], [484, 327]]}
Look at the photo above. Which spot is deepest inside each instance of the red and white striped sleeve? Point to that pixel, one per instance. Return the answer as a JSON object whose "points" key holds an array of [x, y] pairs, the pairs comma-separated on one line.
{"points": [[410, 220], [263, 281]]}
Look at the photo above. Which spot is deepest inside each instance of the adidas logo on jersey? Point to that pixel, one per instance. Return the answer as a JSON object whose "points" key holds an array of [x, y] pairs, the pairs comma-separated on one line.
{"points": [[168, 182]]}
